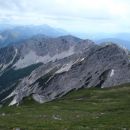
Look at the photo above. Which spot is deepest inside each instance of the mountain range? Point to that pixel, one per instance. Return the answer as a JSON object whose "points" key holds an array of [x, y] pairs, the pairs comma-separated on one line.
{"points": [[15, 34], [121, 39], [10, 34], [123, 43], [47, 68]]}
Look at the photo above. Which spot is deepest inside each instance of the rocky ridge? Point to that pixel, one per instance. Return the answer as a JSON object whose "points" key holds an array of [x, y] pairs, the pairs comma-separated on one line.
{"points": [[97, 66]]}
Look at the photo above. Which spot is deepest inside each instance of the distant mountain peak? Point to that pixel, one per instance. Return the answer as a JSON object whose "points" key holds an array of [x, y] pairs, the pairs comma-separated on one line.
{"points": [[20, 33]]}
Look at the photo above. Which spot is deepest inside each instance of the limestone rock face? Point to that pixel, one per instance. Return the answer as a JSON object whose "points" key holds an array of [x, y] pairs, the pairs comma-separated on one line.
{"points": [[19, 60], [96, 66]]}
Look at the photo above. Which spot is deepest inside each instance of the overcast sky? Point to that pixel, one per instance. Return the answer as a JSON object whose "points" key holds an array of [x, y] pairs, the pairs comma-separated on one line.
{"points": [[71, 15]]}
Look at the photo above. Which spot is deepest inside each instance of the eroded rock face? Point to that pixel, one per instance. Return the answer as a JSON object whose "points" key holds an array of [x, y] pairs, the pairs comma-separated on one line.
{"points": [[18, 61], [102, 67], [44, 50]]}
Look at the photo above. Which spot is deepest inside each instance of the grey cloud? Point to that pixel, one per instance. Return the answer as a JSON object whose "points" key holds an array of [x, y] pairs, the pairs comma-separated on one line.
{"points": [[49, 12]]}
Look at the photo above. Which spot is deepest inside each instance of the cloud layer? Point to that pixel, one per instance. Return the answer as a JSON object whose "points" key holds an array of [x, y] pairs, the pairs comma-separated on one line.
{"points": [[72, 15]]}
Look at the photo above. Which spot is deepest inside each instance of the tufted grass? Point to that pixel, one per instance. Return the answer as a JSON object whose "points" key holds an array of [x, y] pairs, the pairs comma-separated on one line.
{"points": [[85, 109]]}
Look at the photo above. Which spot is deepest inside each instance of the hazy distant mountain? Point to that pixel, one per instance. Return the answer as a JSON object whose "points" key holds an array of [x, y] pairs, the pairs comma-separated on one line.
{"points": [[123, 36], [122, 39], [4, 27], [19, 33], [123, 43]]}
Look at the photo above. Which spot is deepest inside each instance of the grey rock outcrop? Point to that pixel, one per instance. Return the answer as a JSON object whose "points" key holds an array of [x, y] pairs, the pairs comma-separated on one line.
{"points": [[96, 66], [18, 61]]}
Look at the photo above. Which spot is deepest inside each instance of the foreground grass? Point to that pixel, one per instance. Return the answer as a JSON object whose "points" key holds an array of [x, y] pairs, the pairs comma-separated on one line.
{"points": [[85, 109]]}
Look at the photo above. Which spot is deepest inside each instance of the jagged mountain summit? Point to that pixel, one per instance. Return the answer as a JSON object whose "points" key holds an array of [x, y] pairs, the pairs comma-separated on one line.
{"points": [[48, 68]]}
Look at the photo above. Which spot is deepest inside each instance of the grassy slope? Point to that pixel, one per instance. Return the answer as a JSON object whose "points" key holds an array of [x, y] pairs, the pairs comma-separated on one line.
{"points": [[86, 109]]}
